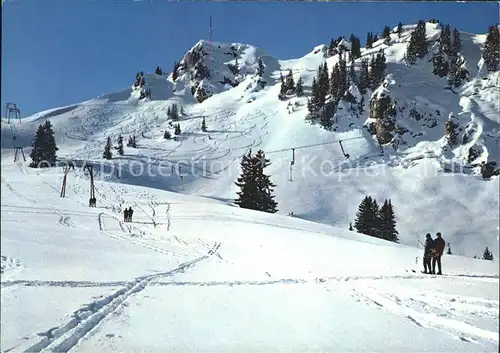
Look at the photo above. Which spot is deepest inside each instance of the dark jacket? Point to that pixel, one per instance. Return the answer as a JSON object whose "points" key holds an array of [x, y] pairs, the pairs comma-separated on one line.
{"points": [[429, 248], [439, 244]]}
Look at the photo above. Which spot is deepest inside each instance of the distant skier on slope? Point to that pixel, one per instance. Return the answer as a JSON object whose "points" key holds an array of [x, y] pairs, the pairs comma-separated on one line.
{"points": [[428, 253], [439, 245]]}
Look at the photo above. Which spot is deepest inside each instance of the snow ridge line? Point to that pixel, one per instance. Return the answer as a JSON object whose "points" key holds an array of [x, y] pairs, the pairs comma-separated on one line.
{"points": [[67, 336]]}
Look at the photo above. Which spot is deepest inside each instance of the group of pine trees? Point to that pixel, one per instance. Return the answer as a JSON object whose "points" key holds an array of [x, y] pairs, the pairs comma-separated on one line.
{"points": [[108, 154], [289, 87], [131, 142], [256, 188], [140, 81], [375, 221], [174, 112], [43, 154], [327, 90], [158, 71], [418, 46]]}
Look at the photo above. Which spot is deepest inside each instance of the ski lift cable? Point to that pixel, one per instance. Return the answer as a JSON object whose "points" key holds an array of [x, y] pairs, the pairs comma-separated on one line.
{"points": [[314, 145]]}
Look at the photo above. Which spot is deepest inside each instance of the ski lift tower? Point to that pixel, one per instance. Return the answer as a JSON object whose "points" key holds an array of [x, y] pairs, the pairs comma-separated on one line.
{"points": [[12, 111]]}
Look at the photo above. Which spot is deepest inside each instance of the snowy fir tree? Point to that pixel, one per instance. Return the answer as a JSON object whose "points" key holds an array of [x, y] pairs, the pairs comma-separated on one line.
{"points": [[355, 47], [256, 187], [120, 144], [260, 68], [491, 53], [177, 130], [440, 64], [386, 35], [387, 218], [487, 255], [449, 250], [369, 40], [364, 76], [44, 146], [203, 125], [399, 29], [107, 154], [366, 221], [299, 89], [173, 112], [289, 83]]}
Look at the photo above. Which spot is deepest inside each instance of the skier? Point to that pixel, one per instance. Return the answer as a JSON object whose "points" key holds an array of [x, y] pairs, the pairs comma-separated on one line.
{"points": [[125, 215], [439, 245], [130, 213], [428, 253]]}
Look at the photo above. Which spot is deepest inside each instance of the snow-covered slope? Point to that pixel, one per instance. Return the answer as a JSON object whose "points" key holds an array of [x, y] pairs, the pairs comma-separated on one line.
{"points": [[194, 274], [432, 187]]}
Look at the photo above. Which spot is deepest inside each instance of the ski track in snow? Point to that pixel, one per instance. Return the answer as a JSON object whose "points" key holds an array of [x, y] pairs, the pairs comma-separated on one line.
{"points": [[446, 312], [66, 336]]}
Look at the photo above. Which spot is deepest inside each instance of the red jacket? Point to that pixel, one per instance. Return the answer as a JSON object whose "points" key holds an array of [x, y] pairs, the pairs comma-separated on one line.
{"points": [[439, 245]]}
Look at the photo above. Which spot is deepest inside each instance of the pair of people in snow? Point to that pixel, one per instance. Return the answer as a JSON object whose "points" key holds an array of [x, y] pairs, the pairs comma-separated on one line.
{"points": [[434, 249], [92, 202], [127, 214]]}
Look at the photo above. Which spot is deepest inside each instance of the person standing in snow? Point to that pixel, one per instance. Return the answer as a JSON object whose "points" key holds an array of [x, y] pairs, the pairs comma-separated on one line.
{"points": [[428, 253], [130, 213], [439, 245], [125, 215]]}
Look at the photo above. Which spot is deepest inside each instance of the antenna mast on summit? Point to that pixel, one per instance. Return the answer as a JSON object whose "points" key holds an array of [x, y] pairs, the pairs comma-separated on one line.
{"points": [[210, 30]]}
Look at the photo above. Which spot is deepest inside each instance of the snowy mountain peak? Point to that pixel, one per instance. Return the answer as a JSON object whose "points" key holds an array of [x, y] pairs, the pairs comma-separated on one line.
{"points": [[209, 68]]}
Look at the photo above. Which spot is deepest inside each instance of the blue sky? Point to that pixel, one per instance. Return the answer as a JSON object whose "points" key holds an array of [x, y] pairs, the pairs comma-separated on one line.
{"points": [[59, 52]]}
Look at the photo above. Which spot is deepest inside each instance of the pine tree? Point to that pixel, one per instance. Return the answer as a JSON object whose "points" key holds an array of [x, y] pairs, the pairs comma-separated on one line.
{"points": [[37, 153], [364, 76], [388, 222], [260, 69], [355, 47], [440, 64], [491, 53], [375, 222], [314, 103], [289, 83], [369, 40], [44, 150], [203, 125], [107, 150], [120, 144], [399, 30], [364, 220], [50, 147], [134, 144], [175, 74], [299, 89], [386, 34], [350, 227], [456, 44], [177, 130], [445, 40], [487, 255], [255, 187], [449, 250]]}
